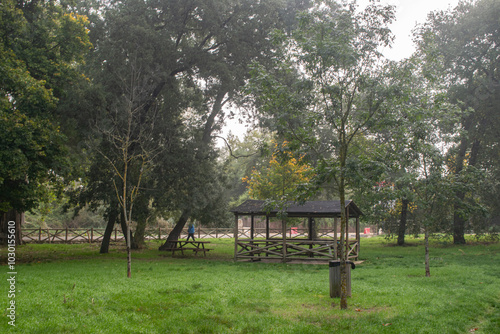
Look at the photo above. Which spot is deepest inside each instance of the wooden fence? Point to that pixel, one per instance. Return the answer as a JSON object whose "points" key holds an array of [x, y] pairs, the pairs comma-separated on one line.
{"points": [[91, 235], [67, 235]]}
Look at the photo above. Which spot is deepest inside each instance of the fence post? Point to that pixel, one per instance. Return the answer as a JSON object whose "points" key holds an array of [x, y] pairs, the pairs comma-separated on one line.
{"points": [[159, 233], [66, 234], [216, 232], [115, 234], [199, 231], [40, 234]]}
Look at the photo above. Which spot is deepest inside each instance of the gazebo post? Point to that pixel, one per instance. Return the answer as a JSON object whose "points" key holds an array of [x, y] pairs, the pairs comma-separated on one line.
{"points": [[311, 232], [267, 233], [267, 227], [335, 240], [358, 238], [252, 227], [347, 233], [235, 237], [283, 231], [309, 223]]}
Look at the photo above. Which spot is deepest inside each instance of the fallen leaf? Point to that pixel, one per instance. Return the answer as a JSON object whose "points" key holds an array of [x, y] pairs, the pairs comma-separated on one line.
{"points": [[473, 330], [387, 324], [358, 310]]}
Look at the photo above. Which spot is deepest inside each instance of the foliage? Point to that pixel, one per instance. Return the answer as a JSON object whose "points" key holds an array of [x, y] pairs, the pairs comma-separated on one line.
{"points": [[41, 46], [182, 62], [336, 49], [414, 128], [282, 176], [458, 47], [55, 216], [241, 157]]}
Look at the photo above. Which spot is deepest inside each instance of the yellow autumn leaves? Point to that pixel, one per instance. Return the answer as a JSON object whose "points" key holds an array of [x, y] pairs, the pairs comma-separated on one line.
{"points": [[283, 174]]}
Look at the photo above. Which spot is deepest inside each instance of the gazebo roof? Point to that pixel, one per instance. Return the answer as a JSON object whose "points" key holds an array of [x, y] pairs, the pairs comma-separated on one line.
{"points": [[320, 209]]}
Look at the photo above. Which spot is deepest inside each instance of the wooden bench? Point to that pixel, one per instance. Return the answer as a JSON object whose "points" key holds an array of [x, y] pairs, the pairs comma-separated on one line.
{"points": [[198, 246]]}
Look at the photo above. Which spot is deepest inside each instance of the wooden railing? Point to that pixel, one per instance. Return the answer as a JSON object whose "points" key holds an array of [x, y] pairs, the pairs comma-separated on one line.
{"points": [[67, 235], [291, 233], [91, 235], [292, 249]]}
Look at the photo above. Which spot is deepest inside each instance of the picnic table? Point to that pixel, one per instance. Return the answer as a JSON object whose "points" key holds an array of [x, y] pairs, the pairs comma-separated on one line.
{"points": [[195, 246]]}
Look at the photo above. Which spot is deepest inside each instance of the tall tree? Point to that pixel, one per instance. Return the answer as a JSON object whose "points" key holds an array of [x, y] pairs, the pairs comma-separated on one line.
{"points": [[194, 56], [418, 111], [132, 151], [460, 47], [41, 47], [337, 50], [137, 67], [232, 35]]}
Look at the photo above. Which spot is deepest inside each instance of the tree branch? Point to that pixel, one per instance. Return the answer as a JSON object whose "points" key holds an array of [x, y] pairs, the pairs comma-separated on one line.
{"points": [[231, 151]]}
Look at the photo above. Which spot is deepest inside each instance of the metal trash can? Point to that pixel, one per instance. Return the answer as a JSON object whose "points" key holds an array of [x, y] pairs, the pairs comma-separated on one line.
{"points": [[335, 282]]}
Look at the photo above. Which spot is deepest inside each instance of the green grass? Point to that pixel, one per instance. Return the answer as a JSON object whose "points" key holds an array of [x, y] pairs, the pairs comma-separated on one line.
{"points": [[73, 289]]}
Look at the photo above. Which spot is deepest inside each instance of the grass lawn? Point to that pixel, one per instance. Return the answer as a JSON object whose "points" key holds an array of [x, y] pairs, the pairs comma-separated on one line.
{"points": [[73, 289]]}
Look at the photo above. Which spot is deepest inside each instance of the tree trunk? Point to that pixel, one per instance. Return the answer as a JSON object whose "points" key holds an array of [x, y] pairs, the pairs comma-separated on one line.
{"points": [[343, 226], [176, 232], [427, 265], [107, 233], [123, 225], [402, 222], [458, 225], [138, 241], [129, 252], [458, 220], [342, 247], [6, 228]]}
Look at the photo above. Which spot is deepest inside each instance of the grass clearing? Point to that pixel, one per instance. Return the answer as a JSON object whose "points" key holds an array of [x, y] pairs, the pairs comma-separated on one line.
{"points": [[73, 289]]}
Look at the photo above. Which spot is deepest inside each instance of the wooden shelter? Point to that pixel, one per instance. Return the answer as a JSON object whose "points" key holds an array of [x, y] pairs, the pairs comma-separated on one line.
{"points": [[286, 246]]}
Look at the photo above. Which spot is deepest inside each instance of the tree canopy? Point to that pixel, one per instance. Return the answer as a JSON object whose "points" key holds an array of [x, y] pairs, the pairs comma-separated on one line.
{"points": [[41, 47], [460, 49], [127, 98]]}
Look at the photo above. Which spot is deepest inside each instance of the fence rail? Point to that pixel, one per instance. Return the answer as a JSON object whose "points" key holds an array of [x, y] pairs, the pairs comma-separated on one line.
{"points": [[91, 235]]}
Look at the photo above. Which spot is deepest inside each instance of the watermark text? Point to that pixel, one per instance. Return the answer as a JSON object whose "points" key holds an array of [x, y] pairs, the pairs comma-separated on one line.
{"points": [[11, 274]]}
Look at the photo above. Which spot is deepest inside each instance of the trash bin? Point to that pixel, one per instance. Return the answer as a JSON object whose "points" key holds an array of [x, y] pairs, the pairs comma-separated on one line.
{"points": [[335, 282]]}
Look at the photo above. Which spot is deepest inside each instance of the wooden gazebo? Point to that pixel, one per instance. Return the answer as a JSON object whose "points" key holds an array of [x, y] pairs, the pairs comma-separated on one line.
{"points": [[286, 243]]}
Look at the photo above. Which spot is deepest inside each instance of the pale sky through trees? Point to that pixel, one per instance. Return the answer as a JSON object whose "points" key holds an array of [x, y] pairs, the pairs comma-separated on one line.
{"points": [[409, 13]]}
